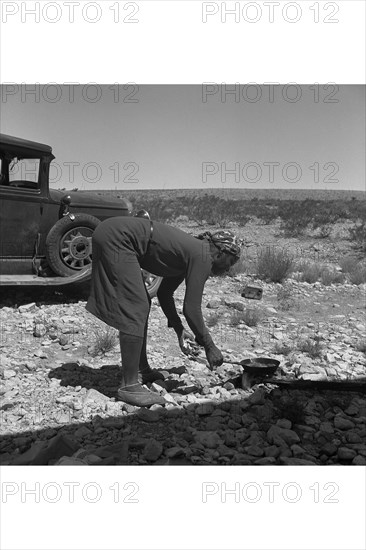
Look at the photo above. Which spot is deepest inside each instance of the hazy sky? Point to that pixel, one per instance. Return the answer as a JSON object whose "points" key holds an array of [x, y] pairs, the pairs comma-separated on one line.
{"points": [[168, 137]]}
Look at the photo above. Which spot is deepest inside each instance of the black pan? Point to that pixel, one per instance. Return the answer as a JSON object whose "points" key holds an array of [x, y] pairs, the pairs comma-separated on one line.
{"points": [[258, 366]]}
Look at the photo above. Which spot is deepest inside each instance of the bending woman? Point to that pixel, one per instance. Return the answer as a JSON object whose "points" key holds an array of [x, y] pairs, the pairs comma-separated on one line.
{"points": [[124, 245]]}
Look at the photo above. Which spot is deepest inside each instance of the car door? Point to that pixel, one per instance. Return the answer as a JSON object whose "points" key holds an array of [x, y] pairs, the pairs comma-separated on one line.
{"points": [[22, 203]]}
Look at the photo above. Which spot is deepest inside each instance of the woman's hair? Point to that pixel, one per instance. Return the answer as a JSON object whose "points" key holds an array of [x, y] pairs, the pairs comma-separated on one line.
{"points": [[224, 240]]}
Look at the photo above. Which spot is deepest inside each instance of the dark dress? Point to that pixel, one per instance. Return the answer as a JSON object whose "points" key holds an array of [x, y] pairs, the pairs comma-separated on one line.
{"points": [[118, 294]]}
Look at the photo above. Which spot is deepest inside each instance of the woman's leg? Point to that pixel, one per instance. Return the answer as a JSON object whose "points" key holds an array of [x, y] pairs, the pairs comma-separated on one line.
{"points": [[131, 347]]}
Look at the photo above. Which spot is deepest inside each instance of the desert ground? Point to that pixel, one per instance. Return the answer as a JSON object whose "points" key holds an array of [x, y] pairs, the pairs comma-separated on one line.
{"points": [[61, 367]]}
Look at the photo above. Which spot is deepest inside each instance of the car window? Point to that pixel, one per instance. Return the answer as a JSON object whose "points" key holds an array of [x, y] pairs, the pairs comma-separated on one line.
{"points": [[20, 172]]}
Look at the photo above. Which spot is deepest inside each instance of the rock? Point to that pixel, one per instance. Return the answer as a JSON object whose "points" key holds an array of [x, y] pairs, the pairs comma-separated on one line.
{"points": [[153, 450], [229, 386], [352, 410], [9, 373], [314, 376], [258, 397], [326, 427], [343, 423], [63, 339], [213, 304], [205, 409], [173, 452], [254, 450], [272, 451], [82, 432], [6, 404], [190, 388], [39, 331], [265, 461], [346, 454], [148, 415], [26, 308], [297, 450], [359, 460], [70, 461], [284, 423], [211, 440], [95, 397], [235, 304], [353, 437], [329, 449], [41, 354], [41, 452], [292, 461], [276, 435]]}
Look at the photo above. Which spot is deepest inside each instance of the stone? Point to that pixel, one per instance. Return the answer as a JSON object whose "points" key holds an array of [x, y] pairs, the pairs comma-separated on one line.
{"points": [[329, 449], [148, 415], [297, 450], [63, 339], [359, 460], [353, 437], [82, 432], [94, 396], [39, 331], [254, 450], [41, 452], [293, 461], [9, 373], [258, 397], [173, 452], [208, 439], [276, 434], [343, 423], [26, 308], [213, 304], [284, 423], [70, 461], [265, 461], [346, 454], [205, 409], [235, 304], [152, 450], [272, 451], [352, 410], [314, 376], [41, 354], [326, 427]]}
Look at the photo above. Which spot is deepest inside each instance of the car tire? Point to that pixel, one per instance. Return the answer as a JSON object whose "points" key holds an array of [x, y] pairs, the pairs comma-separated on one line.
{"points": [[68, 244], [69, 248]]}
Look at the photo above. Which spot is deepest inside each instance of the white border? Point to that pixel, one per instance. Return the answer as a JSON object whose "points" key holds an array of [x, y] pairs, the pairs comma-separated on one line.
{"points": [[171, 45]]}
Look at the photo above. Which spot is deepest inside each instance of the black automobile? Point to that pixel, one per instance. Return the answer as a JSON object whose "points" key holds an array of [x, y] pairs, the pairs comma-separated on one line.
{"points": [[46, 234]]}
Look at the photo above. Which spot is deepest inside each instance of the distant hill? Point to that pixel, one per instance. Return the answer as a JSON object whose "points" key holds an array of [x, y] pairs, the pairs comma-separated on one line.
{"points": [[241, 194]]}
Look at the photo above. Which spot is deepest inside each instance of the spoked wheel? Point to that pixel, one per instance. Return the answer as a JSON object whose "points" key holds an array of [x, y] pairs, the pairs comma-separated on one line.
{"points": [[69, 244], [76, 248]]}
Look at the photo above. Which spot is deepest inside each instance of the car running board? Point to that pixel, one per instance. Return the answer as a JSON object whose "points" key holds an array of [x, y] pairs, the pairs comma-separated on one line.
{"points": [[34, 280]]}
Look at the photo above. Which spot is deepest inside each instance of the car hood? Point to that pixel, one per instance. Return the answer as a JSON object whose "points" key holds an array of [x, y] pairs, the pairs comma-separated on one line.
{"points": [[91, 200]]}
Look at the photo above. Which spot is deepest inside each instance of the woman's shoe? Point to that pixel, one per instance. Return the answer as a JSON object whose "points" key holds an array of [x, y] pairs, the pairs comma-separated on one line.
{"points": [[137, 395]]}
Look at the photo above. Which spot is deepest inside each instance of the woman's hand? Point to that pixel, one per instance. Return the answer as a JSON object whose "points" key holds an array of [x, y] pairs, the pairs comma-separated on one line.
{"points": [[214, 356], [187, 343]]}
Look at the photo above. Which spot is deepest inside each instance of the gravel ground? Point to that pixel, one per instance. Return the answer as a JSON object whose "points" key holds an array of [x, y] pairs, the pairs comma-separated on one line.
{"points": [[58, 399]]}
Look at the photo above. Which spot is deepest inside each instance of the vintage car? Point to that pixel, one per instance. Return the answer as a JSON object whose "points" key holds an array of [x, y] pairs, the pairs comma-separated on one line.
{"points": [[46, 234]]}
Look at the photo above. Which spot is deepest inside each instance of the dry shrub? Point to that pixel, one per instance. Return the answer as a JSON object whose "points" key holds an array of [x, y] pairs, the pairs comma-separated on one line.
{"points": [[249, 317], [105, 340], [311, 346], [274, 265]]}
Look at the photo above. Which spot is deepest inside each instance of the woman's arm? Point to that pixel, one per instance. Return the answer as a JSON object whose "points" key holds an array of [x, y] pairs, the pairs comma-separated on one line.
{"points": [[166, 301]]}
